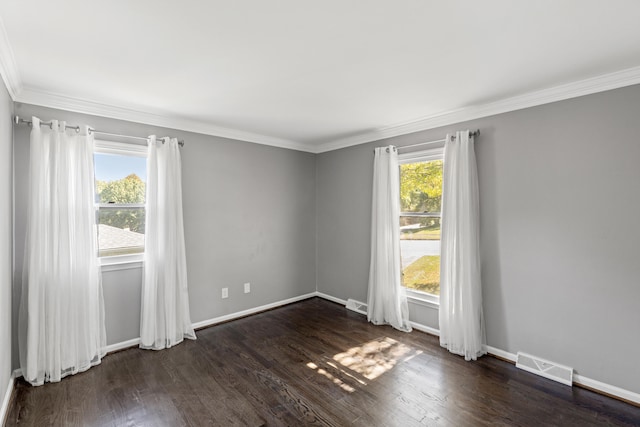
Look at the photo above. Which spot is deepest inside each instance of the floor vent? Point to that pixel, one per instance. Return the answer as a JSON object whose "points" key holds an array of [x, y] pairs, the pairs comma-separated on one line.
{"points": [[544, 368], [357, 306]]}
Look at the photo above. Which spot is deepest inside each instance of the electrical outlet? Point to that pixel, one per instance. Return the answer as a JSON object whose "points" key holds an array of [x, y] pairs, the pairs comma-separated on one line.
{"points": [[225, 292], [247, 288]]}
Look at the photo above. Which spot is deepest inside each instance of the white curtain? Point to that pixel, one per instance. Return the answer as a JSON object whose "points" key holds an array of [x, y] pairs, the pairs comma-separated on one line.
{"points": [[62, 311], [165, 318], [387, 300], [461, 318]]}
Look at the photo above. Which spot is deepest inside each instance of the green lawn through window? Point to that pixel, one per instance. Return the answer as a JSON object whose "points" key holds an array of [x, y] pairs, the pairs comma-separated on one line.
{"points": [[422, 233], [423, 274]]}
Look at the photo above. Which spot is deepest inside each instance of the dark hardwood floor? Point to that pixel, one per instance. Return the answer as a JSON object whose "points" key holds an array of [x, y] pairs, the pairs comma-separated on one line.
{"points": [[309, 363]]}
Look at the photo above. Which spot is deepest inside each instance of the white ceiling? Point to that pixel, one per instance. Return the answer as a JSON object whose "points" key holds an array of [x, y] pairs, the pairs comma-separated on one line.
{"points": [[313, 75]]}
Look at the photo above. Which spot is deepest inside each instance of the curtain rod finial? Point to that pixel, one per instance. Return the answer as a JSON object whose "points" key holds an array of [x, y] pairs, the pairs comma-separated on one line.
{"points": [[16, 119]]}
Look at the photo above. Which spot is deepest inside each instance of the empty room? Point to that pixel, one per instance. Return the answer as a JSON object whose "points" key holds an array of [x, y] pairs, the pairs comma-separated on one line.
{"points": [[334, 213]]}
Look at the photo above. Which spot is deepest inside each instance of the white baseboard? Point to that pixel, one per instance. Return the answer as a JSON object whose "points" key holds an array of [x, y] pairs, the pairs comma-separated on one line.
{"points": [[607, 388], [227, 317], [577, 379], [331, 298], [4, 409], [500, 353], [134, 342], [209, 322], [427, 329], [415, 325], [122, 345]]}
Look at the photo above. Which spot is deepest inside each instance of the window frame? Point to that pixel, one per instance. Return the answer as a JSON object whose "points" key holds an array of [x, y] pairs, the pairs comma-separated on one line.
{"points": [[430, 154], [129, 261]]}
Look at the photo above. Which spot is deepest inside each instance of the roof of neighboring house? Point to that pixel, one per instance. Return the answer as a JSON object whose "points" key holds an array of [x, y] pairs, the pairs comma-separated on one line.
{"points": [[113, 237]]}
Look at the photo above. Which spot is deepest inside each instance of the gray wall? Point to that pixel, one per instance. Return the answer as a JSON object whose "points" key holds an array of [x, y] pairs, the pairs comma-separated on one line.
{"points": [[559, 227], [249, 214], [6, 236], [559, 213]]}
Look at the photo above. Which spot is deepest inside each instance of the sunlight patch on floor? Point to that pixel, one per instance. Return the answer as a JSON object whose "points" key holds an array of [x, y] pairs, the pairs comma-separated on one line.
{"points": [[364, 363], [376, 357], [353, 377], [337, 381]]}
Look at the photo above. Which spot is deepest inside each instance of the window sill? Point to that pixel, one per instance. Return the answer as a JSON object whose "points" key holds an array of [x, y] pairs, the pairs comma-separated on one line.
{"points": [[122, 262], [424, 299]]}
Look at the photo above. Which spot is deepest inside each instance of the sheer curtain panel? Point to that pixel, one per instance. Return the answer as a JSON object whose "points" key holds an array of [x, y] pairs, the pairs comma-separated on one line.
{"points": [[61, 326], [387, 300], [461, 318], [165, 319]]}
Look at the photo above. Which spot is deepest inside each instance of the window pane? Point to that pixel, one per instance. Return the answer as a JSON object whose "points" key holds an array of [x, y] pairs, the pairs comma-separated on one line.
{"points": [[421, 186], [120, 231], [419, 228], [420, 251], [120, 179]]}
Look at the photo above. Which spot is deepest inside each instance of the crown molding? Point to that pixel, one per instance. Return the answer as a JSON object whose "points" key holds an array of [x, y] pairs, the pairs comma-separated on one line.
{"points": [[618, 79], [19, 93], [62, 102], [8, 67], [576, 89]]}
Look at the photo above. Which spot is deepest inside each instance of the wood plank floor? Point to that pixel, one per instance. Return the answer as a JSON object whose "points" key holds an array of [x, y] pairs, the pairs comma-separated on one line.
{"points": [[309, 363]]}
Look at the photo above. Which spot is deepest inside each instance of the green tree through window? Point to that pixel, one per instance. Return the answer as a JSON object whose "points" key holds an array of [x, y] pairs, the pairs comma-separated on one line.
{"points": [[420, 205], [120, 174], [421, 186], [128, 190]]}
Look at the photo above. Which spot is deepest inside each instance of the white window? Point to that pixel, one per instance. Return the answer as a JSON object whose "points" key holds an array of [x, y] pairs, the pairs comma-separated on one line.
{"points": [[420, 212], [120, 181]]}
